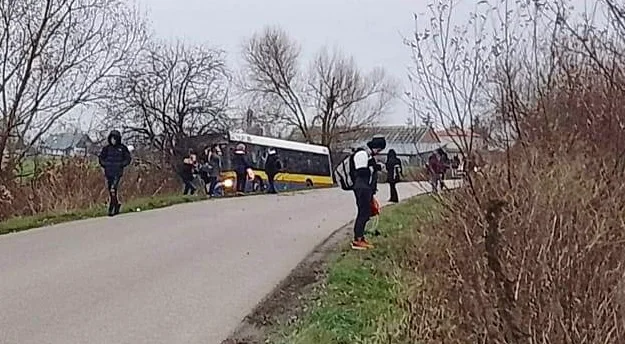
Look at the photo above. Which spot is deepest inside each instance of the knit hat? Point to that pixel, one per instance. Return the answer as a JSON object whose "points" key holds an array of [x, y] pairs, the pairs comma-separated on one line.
{"points": [[377, 142], [240, 149]]}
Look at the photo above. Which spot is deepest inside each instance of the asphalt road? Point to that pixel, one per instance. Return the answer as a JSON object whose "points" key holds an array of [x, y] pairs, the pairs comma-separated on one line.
{"points": [[183, 274]]}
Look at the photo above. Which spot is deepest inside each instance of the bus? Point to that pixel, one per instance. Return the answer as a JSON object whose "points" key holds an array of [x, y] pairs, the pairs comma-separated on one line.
{"points": [[305, 166]]}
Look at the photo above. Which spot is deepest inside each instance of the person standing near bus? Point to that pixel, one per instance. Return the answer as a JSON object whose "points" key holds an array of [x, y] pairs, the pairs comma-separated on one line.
{"points": [[242, 167], [393, 174], [273, 165], [210, 168], [364, 172], [214, 160], [187, 173]]}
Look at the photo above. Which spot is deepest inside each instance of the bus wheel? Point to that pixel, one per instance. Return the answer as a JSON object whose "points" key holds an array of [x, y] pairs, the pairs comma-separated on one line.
{"points": [[309, 183], [257, 185]]}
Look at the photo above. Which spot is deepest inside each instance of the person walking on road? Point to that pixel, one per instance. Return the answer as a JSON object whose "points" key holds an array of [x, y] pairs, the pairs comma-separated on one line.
{"points": [[114, 158], [434, 170], [242, 167], [444, 166], [364, 171], [273, 165], [394, 174], [187, 173]]}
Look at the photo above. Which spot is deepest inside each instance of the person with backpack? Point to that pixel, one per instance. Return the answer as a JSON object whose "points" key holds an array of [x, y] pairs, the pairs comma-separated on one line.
{"points": [[114, 158], [394, 173], [273, 165], [360, 175]]}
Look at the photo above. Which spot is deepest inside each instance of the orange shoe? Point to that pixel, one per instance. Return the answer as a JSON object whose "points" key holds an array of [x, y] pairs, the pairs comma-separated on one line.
{"points": [[368, 244], [361, 245]]}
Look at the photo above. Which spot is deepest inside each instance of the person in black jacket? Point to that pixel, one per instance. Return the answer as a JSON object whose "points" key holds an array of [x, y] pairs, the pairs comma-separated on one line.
{"points": [[394, 174], [364, 170], [242, 167], [113, 158], [210, 168], [273, 165], [187, 173]]}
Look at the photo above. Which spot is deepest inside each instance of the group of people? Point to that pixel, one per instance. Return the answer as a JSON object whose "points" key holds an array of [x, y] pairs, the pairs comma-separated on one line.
{"points": [[115, 157], [207, 166], [210, 165]]}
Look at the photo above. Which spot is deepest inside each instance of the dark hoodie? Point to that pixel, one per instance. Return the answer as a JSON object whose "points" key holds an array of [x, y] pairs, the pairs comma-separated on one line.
{"points": [[240, 162], [114, 157], [393, 166], [273, 165]]}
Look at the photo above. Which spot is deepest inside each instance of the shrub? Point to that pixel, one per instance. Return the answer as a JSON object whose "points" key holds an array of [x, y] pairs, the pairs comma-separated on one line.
{"points": [[74, 183]]}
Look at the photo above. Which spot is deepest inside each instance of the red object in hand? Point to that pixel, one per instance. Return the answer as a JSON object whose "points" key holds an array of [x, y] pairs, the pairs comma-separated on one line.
{"points": [[375, 207]]}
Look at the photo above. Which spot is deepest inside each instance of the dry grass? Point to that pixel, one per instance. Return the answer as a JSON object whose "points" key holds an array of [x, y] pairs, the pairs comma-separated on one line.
{"points": [[73, 184], [533, 251], [541, 262]]}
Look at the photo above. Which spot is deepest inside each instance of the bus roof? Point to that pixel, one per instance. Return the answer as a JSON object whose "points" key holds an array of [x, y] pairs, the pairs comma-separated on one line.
{"points": [[278, 143]]}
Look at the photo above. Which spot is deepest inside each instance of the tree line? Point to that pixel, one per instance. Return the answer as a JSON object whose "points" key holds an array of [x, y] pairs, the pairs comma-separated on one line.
{"points": [[62, 56]]}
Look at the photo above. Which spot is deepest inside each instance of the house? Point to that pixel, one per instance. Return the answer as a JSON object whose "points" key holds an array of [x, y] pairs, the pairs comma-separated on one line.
{"points": [[412, 144], [456, 138], [66, 144]]}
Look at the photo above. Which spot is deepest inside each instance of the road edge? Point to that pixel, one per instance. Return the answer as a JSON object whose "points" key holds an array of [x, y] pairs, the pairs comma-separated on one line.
{"points": [[286, 301]]}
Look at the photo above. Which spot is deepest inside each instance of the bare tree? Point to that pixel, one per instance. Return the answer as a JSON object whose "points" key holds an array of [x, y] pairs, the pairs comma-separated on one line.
{"points": [[332, 96], [345, 98], [173, 92], [450, 66], [272, 72], [56, 55]]}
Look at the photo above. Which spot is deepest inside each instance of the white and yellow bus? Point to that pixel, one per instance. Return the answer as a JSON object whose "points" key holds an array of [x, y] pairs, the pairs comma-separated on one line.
{"points": [[305, 166]]}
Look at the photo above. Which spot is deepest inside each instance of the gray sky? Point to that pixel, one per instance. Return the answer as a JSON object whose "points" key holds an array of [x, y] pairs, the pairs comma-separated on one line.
{"points": [[370, 30]]}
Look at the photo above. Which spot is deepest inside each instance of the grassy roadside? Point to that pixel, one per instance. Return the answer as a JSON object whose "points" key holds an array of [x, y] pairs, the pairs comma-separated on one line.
{"points": [[18, 224], [360, 302]]}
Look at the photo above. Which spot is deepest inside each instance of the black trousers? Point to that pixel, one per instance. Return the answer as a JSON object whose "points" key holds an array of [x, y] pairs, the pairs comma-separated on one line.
{"points": [[394, 195], [112, 184], [271, 180], [241, 181], [363, 203], [189, 188]]}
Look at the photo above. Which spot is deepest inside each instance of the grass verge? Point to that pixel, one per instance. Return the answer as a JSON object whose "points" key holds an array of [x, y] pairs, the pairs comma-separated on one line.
{"points": [[18, 224], [360, 300]]}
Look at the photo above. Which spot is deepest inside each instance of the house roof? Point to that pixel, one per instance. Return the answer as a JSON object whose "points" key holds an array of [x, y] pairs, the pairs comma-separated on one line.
{"points": [[396, 134], [457, 132], [393, 134], [64, 141], [405, 140]]}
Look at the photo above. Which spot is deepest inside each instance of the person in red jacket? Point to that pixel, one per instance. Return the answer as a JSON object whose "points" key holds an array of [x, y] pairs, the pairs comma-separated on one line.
{"points": [[435, 169]]}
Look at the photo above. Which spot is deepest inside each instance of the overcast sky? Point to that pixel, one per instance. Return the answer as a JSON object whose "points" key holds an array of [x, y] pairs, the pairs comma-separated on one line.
{"points": [[370, 30]]}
